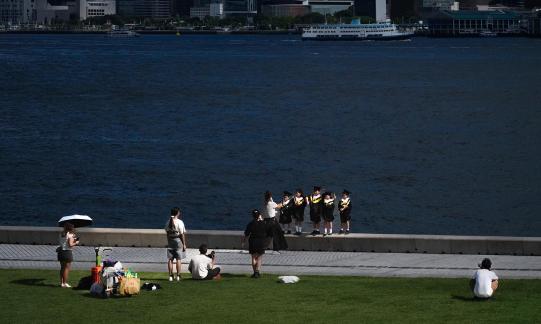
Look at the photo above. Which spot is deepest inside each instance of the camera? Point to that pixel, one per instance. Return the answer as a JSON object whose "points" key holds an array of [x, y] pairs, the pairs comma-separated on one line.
{"points": [[211, 255]]}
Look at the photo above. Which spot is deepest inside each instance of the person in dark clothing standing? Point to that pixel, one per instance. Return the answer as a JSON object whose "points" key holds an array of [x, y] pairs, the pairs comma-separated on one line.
{"points": [[285, 212], [344, 208], [315, 201], [299, 204], [257, 233]]}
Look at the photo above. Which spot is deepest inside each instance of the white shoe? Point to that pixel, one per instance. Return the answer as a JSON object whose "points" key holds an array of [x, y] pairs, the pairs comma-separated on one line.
{"points": [[170, 278], [65, 285], [178, 278]]}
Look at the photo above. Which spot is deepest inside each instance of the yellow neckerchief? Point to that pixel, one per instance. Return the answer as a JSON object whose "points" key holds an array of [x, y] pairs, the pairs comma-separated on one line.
{"points": [[316, 199], [299, 200]]}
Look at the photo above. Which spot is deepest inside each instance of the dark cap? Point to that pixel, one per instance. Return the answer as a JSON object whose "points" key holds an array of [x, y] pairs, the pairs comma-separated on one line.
{"points": [[287, 193], [345, 192], [317, 188]]}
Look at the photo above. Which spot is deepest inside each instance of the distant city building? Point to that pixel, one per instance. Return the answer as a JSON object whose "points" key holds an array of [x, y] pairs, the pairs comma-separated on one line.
{"points": [[96, 8], [126, 8], [469, 22], [200, 12], [217, 9], [286, 10], [154, 9], [47, 13], [438, 4], [17, 12], [472, 4], [240, 8], [404, 8], [376, 9], [181, 8], [328, 7]]}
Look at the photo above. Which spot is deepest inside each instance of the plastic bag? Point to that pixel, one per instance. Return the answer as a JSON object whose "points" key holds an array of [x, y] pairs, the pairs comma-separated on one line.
{"points": [[130, 286]]}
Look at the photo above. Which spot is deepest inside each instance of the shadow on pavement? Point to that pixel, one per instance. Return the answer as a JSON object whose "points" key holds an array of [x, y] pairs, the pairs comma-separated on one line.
{"points": [[33, 282]]}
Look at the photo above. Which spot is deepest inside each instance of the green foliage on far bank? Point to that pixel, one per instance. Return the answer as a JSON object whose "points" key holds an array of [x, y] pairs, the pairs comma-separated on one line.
{"points": [[33, 296]]}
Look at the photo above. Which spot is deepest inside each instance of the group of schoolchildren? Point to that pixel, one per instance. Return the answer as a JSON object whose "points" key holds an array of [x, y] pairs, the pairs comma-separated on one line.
{"points": [[322, 207]]}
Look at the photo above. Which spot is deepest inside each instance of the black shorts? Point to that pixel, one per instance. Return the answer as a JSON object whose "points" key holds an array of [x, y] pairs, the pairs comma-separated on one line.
{"points": [[65, 256], [213, 273], [345, 217], [315, 218]]}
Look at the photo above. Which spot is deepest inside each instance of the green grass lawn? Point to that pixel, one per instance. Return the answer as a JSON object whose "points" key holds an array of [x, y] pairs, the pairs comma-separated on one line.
{"points": [[34, 296]]}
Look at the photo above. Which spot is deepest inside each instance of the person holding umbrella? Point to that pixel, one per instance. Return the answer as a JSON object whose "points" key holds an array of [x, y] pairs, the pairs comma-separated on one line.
{"points": [[67, 241]]}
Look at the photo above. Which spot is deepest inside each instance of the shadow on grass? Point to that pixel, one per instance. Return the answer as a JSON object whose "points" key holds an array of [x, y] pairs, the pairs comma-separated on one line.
{"points": [[233, 275], [33, 282], [470, 298]]}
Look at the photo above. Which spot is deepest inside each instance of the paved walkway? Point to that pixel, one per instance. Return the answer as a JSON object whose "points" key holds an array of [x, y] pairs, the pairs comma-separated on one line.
{"points": [[288, 262]]}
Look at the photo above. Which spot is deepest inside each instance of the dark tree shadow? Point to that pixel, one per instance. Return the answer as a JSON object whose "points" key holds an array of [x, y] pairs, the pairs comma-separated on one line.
{"points": [[33, 282]]}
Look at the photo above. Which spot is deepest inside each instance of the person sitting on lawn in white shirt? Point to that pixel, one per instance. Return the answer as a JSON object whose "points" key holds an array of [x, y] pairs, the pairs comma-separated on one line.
{"points": [[485, 281], [202, 266]]}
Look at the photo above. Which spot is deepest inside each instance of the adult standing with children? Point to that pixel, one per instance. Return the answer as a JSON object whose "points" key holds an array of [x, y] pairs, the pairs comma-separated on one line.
{"points": [[176, 242], [271, 209], [67, 241], [257, 232]]}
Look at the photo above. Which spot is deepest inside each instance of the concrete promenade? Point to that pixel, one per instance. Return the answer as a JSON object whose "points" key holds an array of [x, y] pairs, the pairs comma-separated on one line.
{"points": [[22, 256]]}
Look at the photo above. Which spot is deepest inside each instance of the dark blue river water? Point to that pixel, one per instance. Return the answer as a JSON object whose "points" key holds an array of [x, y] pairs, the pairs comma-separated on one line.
{"points": [[438, 136]]}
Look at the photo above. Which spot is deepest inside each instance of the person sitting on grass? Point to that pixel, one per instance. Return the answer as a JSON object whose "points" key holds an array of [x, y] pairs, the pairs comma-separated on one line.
{"points": [[202, 266], [485, 281]]}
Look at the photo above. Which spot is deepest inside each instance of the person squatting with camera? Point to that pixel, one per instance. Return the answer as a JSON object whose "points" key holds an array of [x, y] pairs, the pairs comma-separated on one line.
{"points": [[202, 266]]}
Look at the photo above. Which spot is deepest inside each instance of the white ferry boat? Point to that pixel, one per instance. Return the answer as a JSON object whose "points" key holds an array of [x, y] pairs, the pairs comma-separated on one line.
{"points": [[122, 33], [355, 31]]}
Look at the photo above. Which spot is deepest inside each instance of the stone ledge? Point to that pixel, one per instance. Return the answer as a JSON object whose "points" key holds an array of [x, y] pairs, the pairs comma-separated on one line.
{"points": [[355, 242]]}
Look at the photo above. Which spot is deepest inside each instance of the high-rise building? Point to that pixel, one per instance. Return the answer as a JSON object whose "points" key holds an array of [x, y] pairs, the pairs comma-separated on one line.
{"points": [[181, 8], [96, 8], [155, 9], [438, 4], [17, 12], [376, 9], [240, 7], [126, 8], [404, 8]]}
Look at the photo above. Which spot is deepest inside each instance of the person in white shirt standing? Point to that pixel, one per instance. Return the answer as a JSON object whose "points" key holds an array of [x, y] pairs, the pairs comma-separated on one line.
{"points": [[484, 281], [176, 242], [202, 266]]}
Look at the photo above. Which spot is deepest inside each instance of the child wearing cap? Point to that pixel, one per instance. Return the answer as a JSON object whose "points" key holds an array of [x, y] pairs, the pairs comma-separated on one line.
{"points": [[328, 212], [285, 212], [315, 201], [299, 204], [344, 207]]}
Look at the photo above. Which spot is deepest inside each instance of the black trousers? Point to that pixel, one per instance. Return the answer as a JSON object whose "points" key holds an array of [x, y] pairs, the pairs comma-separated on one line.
{"points": [[278, 240]]}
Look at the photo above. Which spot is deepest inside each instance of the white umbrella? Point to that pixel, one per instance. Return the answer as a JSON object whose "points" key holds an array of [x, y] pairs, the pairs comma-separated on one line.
{"points": [[76, 220]]}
